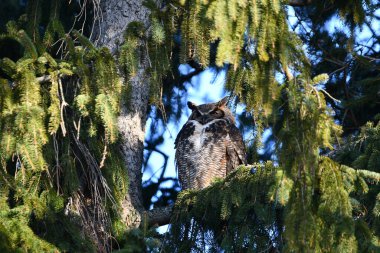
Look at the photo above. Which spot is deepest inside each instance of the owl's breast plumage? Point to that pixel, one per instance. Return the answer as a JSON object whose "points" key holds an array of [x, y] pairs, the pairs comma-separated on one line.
{"points": [[201, 153]]}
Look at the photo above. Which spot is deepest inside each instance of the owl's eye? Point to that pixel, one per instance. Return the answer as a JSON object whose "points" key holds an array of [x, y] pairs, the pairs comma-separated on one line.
{"points": [[214, 112]]}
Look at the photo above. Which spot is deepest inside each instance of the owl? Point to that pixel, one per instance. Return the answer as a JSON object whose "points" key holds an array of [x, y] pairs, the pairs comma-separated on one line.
{"points": [[208, 146]]}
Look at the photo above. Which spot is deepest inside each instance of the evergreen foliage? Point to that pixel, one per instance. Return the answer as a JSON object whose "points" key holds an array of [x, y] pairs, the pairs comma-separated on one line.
{"points": [[348, 53], [59, 135], [318, 216], [248, 210], [256, 43], [62, 173], [58, 128], [237, 214], [362, 152]]}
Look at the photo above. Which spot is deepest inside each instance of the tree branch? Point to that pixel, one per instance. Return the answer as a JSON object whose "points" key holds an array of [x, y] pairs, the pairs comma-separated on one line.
{"points": [[159, 216], [44, 79]]}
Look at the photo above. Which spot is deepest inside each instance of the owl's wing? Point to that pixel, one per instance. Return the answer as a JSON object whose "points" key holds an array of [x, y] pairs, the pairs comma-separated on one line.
{"points": [[182, 146], [235, 148], [186, 131]]}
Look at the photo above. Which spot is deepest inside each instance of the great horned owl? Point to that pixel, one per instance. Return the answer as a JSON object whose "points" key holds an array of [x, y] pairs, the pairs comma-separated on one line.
{"points": [[209, 145]]}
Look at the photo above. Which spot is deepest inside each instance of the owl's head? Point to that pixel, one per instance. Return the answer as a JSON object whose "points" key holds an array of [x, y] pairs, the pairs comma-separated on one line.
{"points": [[207, 112]]}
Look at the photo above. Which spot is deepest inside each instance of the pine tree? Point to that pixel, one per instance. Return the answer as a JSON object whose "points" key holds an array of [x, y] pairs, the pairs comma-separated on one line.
{"points": [[74, 102]]}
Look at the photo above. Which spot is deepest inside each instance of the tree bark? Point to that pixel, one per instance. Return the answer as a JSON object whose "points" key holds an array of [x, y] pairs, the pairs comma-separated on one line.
{"points": [[159, 216], [115, 18], [116, 15]]}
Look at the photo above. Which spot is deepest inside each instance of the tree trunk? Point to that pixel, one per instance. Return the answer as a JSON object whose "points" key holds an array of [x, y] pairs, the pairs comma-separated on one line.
{"points": [[116, 15]]}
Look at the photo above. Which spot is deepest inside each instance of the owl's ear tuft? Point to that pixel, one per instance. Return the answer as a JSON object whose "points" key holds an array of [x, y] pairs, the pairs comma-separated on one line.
{"points": [[191, 105], [222, 102]]}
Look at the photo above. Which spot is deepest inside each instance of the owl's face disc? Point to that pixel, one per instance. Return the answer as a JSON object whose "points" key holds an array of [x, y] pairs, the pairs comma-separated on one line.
{"points": [[206, 113]]}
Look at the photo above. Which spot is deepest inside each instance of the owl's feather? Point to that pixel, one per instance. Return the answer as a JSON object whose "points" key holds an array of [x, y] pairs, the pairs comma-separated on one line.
{"points": [[235, 149], [205, 151]]}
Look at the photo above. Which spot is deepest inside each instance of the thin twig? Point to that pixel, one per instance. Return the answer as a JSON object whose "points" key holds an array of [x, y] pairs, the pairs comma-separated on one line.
{"points": [[334, 99], [103, 157], [63, 104]]}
